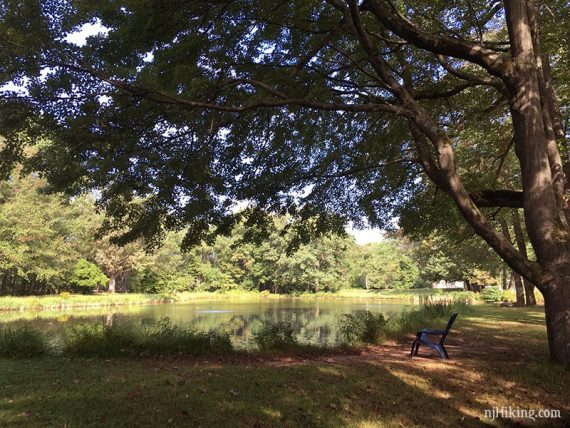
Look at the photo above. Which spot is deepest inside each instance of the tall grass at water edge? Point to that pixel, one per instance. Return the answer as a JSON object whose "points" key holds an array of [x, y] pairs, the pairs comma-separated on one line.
{"points": [[164, 338]]}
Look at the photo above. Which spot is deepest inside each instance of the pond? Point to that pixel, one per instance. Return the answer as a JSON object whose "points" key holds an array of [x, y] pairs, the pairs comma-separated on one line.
{"points": [[315, 321]]}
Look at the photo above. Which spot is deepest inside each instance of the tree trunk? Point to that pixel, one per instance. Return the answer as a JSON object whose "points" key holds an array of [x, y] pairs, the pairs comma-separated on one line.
{"points": [[557, 310], [521, 244], [519, 289], [515, 277], [548, 103], [112, 283], [545, 219]]}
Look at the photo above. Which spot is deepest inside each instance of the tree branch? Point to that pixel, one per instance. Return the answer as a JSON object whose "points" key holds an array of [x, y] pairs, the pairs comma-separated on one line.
{"points": [[498, 198], [284, 100], [490, 60], [430, 95], [488, 81], [353, 171]]}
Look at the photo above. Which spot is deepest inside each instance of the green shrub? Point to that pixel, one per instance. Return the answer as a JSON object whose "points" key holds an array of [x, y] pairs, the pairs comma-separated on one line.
{"points": [[219, 342], [23, 343], [98, 340], [363, 327], [275, 336], [492, 294], [434, 315], [166, 338], [65, 295], [437, 310], [163, 338], [465, 297], [88, 275], [509, 296], [366, 327]]}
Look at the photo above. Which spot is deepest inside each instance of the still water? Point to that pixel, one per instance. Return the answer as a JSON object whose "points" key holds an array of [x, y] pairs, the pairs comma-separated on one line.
{"points": [[315, 321]]}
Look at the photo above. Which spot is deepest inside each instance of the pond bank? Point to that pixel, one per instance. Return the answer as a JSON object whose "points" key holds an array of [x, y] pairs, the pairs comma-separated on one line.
{"points": [[68, 301], [274, 328]]}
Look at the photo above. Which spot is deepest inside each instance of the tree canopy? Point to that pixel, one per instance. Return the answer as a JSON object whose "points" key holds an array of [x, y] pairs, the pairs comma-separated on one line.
{"points": [[176, 112]]}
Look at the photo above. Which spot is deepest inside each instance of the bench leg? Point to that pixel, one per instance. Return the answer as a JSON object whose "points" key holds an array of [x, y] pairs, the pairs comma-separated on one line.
{"points": [[445, 352], [442, 351], [415, 347]]}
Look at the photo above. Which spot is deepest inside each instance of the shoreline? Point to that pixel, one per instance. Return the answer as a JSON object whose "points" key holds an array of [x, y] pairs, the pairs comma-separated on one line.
{"points": [[73, 301]]}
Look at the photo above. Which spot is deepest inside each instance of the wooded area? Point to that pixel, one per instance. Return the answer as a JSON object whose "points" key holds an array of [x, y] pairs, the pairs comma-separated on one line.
{"points": [[55, 247]]}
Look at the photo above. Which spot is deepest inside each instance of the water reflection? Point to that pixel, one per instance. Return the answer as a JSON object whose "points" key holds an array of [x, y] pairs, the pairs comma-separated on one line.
{"points": [[315, 321]]}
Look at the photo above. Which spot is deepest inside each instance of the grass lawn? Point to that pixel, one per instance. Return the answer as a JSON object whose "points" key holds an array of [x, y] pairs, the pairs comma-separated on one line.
{"points": [[498, 360]]}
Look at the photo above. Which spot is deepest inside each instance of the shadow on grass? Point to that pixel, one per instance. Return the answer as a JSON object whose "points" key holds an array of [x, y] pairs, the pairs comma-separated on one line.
{"points": [[394, 391], [119, 393]]}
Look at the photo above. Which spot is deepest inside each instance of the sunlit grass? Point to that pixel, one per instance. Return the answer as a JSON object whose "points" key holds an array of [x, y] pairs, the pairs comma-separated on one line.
{"points": [[66, 301]]}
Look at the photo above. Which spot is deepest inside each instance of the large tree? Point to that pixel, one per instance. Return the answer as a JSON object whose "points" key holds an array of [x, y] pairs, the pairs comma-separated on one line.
{"points": [[331, 108], [40, 238]]}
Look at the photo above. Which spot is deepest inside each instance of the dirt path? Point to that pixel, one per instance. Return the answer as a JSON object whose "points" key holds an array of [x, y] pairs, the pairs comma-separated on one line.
{"points": [[391, 353]]}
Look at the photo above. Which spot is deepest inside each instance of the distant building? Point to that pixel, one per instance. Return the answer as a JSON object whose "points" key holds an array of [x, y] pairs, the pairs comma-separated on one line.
{"points": [[455, 285]]}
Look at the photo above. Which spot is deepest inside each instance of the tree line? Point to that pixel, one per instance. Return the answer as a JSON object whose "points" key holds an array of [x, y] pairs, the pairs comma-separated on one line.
{"points": [[50, 244]]}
